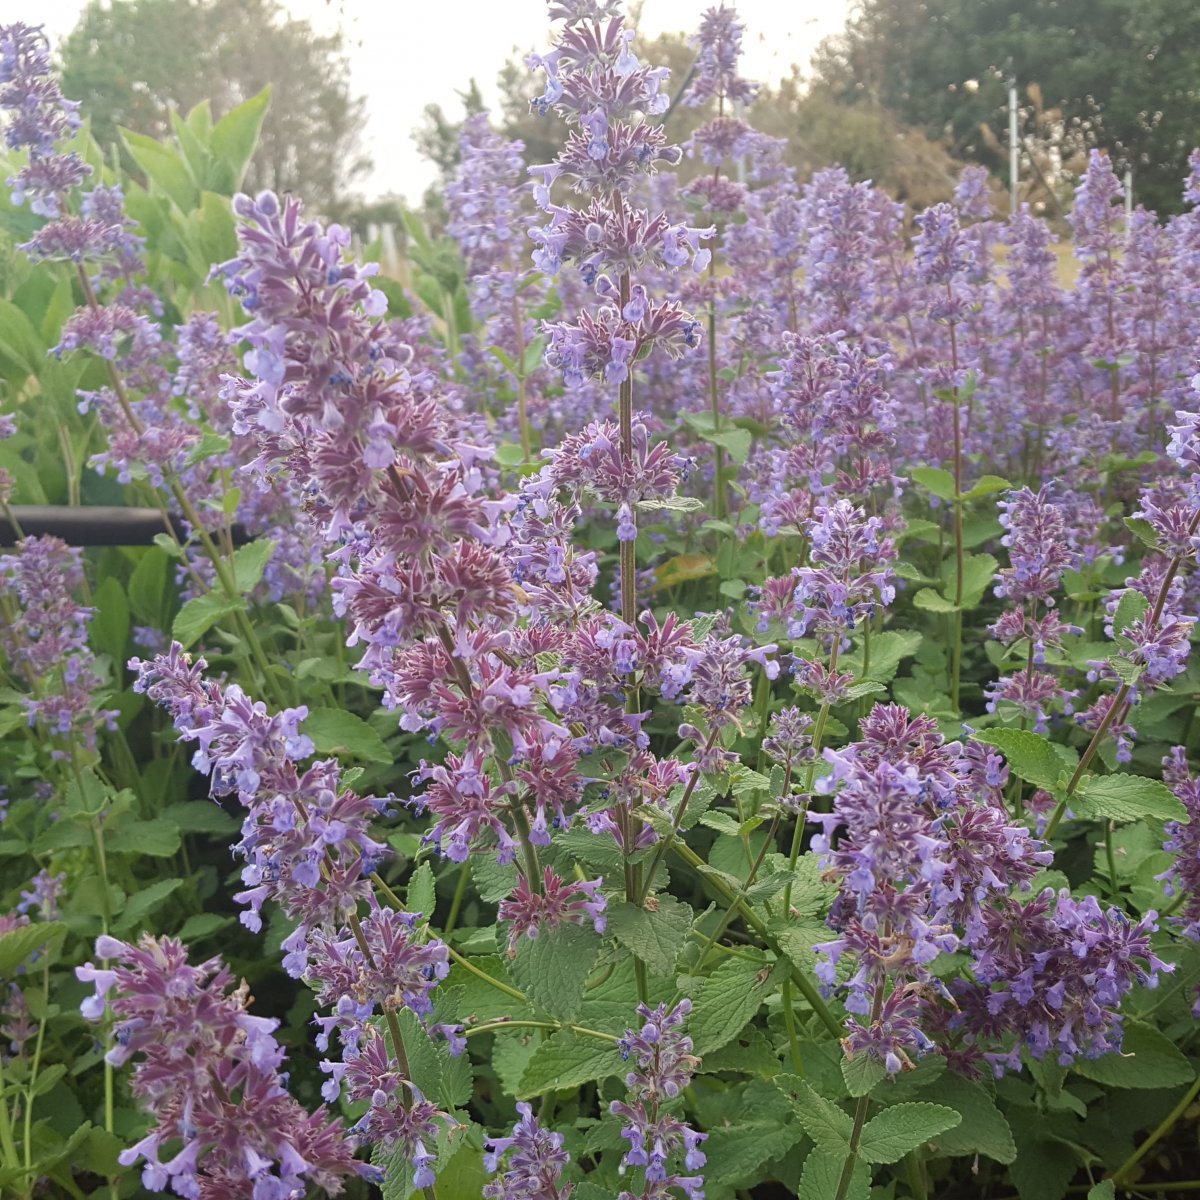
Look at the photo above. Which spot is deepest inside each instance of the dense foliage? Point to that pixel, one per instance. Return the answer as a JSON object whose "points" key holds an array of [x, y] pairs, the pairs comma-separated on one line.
{"points": [[697, 686], [1120, 72], [131, 63]]}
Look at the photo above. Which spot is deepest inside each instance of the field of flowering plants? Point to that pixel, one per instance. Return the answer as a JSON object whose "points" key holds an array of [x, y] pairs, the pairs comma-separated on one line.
{"points": [[685, 694]]}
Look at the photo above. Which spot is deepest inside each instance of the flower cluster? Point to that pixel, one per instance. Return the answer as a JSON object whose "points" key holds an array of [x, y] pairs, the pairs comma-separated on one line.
{"points": [[211, 1075], [664, 1064], [45, 638]]}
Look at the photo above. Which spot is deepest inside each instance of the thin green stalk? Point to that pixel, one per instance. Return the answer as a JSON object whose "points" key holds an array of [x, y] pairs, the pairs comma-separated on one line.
{"points": [[12, 1158], [35, 1067], [553, 1026], [1163, 1128], [393, 1024], [789, 1023], [464, 875], [752, 919], [728, 915], [860, 1112], [1120, 701], [500, 986]]}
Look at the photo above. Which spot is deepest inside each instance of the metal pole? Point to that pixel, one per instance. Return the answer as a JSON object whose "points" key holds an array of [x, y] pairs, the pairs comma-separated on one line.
{"points": [[1128, 195], [1014, 146]]}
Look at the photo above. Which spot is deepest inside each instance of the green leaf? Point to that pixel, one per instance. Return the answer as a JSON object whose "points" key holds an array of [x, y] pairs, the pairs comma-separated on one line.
{"points": [[1029, 755], [235, 135], [249, 563], [887, 651], [200, 614], [728, 999], [1127, 798], [335, 731], [988, 485], [932, 601], [509, 454], [1147, 1059], [862, 1073], [1130, 608], [736, 441], [157, 837], [163, 166], [143, 903], [1143, 531], [823, 1173], [889, 1136], [983, 1130], [656, 936], [209, 446], [108, 630], [200, 816], [1104, 1190], [823, 1121], [18, 944], [148, 587], [215, 231], [567, 1060], [683, 568], [979, 571], [671, 504], [552, 968], [442, 1078], [933, 479], [421, 896]]}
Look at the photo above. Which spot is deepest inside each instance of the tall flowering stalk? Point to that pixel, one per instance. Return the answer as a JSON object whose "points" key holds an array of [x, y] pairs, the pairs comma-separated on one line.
{"points": [[211, 1074], [609, 100]]}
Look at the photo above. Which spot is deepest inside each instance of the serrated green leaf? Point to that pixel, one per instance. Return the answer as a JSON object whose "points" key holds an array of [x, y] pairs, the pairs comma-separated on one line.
{"points": [[671, 504], [200, 614], [728, 999], [17, 945], [567, 1060], [1127, 798], [986, 486], [933, 479], [209, 446], [823, 1121], [932, 601], [421, 896], [508, 454], [1029, 755], [1143, 531], [823, 1173], [335, 731], [655, 935], [890, 1135], [1104, 1190], [983, 1130], [552, 968], [862, 1073], [1130, 608], [1147, 1059], [249, 563], [200, 816]]}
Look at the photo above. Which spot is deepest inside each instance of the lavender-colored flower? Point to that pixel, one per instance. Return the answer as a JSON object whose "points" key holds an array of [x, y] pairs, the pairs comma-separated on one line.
{"points": [[209, 1072], [529, 1163], [1182, 878], [664, 1065], [528, 912], [47, 643], [305, 838], [719, 46]]}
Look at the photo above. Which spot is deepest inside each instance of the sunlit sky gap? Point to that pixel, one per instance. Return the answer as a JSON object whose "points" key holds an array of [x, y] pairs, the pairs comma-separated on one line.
{"points": [[405, 55]]}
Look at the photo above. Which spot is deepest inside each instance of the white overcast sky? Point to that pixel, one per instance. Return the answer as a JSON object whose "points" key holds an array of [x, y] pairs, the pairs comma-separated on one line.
{"points": [[405, 54]]}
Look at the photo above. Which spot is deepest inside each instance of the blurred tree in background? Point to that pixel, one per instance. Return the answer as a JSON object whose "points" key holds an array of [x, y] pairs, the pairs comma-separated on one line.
{"points": [[1125, 75], [868, 140], [130, 62]]}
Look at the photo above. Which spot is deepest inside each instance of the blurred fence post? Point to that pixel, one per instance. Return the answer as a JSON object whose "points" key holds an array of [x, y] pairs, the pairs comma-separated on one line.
{"points": [[1014, 146]]}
